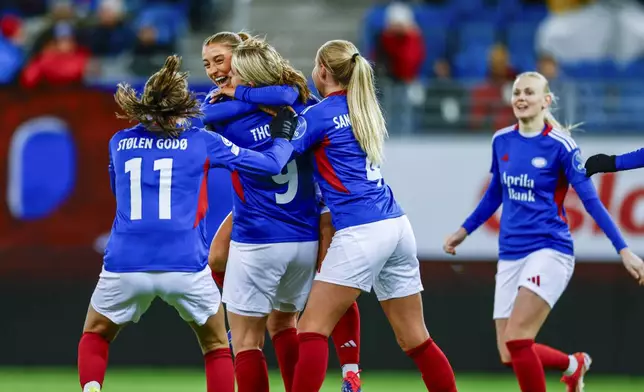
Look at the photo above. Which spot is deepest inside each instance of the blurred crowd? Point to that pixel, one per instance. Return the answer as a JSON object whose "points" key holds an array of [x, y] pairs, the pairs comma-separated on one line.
{"points": [[450, 64], [55, 42]]}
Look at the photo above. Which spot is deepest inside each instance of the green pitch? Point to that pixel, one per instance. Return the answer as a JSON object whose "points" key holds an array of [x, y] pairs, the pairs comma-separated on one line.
{"points": [[166, 380]]}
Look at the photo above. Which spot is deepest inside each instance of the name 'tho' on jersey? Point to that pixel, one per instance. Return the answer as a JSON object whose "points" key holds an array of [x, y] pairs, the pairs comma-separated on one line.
{"points": [[276, 209], [534, 174], [352, 187], [160, 186]]}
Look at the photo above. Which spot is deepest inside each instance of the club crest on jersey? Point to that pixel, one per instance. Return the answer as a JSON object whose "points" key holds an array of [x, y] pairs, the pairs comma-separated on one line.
{"points": [[539, 162], [227, 142], [578, 162], [301, 128]]}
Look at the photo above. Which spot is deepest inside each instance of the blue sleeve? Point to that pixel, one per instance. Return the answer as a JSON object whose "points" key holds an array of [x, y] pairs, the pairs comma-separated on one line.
{"points": [[110, 169], [490, 202], [269, 95], [214, 113], [270, 162], [308, 132], [588, 195], [573, 166], [631, 160]]}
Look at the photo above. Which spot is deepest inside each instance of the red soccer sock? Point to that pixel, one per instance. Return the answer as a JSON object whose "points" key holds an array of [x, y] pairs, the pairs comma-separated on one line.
{"points": [[251, 371], [527, 366], [220, 373], [287, 350], [435, 368], [219, 278], [93, 351], [552, 358], [346, 337], [312, 362]]}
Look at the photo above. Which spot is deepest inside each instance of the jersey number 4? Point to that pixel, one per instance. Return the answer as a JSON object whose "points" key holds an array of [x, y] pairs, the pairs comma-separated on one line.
{"points": [[164, 167]]}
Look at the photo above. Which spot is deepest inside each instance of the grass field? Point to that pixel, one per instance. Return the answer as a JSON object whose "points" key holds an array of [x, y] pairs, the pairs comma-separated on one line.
{"points": [[167, 380]]}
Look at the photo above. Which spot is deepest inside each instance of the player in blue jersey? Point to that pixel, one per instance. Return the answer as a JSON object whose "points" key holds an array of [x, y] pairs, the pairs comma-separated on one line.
{"points": [[374, 245], [229, 104], [533, 164], [158, 172]]}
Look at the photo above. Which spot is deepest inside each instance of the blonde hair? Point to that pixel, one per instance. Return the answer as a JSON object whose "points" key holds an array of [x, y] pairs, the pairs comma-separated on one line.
{"points": [[549, 118], [165, 104], [257, 62], [227, 38], [354, 73]]}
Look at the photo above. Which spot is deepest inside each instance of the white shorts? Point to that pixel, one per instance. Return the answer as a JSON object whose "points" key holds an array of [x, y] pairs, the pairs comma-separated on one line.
{"points": [[381, 255], [263, 277], [545, 272], [124, 297]]}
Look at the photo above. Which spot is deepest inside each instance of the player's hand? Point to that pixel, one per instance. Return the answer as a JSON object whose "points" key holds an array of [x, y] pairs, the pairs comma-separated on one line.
{"points": [[284, 124], [454, 240], [600, 163], [226, 91], [634, 265]]}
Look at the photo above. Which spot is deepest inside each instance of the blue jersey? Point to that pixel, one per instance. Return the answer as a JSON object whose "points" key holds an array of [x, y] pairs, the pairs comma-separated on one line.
{"points": [[530, 177], [275, 209], [352, 187], [160, 186]]}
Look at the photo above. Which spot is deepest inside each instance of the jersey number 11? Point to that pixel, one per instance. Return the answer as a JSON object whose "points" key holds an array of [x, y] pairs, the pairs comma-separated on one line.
{"points": [[164, 166]]}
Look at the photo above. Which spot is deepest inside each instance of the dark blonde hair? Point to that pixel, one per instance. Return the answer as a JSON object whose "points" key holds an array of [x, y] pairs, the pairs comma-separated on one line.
{"points": [[227, 38], [165, 104], [257, 62], [355, 74]]}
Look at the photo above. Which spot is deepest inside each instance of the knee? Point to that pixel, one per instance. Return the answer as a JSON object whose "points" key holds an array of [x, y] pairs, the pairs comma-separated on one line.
{"points": [[247, 341], [517, 331], [280, 321], [100, 325], [412, 338]]}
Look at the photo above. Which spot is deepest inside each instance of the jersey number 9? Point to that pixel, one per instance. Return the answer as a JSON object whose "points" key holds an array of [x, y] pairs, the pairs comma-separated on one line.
{"points": [[290, 178], [164, 167]]}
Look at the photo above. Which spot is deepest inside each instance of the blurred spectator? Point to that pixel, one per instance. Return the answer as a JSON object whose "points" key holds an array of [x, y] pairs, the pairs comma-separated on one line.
{"points": [[548, 67], [561, 6], [60, 11], [491, 100], [444, 107], [400, 55], [12, 55], [62, 61], [149, 53], [109, 34]]}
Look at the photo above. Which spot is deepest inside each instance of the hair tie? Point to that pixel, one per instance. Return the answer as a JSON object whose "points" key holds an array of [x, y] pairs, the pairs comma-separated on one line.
{"points": [[353, 58]]}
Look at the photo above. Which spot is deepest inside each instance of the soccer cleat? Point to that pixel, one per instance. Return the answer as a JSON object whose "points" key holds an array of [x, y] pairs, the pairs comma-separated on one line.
{"points": [[94, 389], [575, 381], [351, 383], [92, 386]]}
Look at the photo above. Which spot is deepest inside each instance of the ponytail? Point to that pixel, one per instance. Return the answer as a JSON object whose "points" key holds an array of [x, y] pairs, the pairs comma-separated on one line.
{"points": [[367, 121]]}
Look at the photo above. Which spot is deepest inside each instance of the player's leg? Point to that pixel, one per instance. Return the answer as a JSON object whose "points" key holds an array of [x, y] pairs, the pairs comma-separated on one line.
{"points": [[252, 277], [290, 298], [198, 301], [398, 287], [354, 254], [219, 248], [220, 373], [346, 334], [117, 300], [282, 329]]}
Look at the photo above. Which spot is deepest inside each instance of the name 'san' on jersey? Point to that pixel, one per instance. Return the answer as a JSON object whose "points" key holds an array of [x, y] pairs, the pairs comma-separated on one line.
{"points": [[277, 209], [534, 174], [352, 187]]}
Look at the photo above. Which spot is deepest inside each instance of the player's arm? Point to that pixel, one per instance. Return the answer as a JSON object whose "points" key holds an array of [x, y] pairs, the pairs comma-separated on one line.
{"points": [[490, 202], [602, 163], [268, 95], [576, 175], [310, 130], [270, 162], [220, 112]]}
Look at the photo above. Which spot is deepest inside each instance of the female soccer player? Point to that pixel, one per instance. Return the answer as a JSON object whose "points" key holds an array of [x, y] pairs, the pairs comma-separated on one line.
{"points": [[532, 165], [156, 247], [374, 245], [217, 56]]}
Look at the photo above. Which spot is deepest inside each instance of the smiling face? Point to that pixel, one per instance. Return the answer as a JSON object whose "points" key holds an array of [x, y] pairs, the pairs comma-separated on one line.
{"points": [[216, 61], [530, 97]]}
